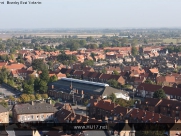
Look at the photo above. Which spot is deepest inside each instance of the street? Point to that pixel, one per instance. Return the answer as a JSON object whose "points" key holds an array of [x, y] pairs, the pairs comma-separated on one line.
{"points": [[7, 92]]}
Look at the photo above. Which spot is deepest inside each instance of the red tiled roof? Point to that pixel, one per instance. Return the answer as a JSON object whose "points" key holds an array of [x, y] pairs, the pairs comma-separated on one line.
{"points": [[116, 77], [170, 79], [146, 116], [149, 87], [105, 104], [3, 64], [105, 76], [121, 110], [176, 105], [78, 72], [16, 66], [151, 101], [172, 91]]}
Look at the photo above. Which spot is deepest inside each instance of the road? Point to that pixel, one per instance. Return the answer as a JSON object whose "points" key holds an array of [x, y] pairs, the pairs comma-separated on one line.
{"points": [[7, 91]]}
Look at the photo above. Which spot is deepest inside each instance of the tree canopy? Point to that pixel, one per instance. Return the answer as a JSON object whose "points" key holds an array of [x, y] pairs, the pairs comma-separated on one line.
{"points": [[113, 83], [134, 51], [112, 97], [38, 64], [160, 94]]}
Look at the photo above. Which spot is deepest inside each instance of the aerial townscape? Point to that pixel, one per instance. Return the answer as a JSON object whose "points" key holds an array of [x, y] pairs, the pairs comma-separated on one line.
{"points": [[126, 78], [90, 68]]}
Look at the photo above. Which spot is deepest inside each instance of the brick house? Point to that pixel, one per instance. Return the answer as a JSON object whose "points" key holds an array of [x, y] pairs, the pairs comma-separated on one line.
{"points": [[110, 69], [165, 80], [170, 108], [147, 90], [106, 110], [4, 115], [118, 78], [34, 112], [149, 104], [78, 74], [172, 93]]}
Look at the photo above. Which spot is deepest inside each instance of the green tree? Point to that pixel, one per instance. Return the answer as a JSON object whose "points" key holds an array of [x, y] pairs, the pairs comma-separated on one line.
{"points": [[92, 46], [4, 103], [134, 42], [28, 89], [124, 41], [38, 97], [53, 79], [82, 42], [93, 56], [159, 94], [88, 63], [4, 74], [11, 98], [45, 75], [31, 80], [50, 64], [134, 51], [115, 72], [25, 98], [104, 71], [113, 83], [36, 84], [145, 41], [11, 82], [86, 102], [148, 81], [74, 46], [44, 96], [124, 103], [43, 86], [38, 64], [32, 97], [112, 97], [90, 38]]}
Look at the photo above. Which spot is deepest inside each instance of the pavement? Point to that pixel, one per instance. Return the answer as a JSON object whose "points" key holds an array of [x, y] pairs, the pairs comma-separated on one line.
{"points": [[8, 91]]}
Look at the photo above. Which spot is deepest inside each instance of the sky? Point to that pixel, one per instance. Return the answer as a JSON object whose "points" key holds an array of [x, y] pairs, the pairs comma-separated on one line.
{"points": [[91, 14]]}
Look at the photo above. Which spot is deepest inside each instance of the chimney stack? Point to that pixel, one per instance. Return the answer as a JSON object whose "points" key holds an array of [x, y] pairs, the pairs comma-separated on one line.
{"points": [[126, 121], [91, 97], [50, 102], [82, 92], [52, 87]]}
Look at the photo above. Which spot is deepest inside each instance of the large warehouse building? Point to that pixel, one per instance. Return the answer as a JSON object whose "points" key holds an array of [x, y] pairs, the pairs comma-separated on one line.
{"points": [[65, 88]]}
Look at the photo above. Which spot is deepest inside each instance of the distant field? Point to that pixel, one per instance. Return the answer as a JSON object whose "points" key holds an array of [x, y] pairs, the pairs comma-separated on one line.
{"points": [[54, 35], [5, 36], [169, 40]]}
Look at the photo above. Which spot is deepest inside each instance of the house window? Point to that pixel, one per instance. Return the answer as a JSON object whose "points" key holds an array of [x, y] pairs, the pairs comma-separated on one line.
{"points": [[171, 96]]}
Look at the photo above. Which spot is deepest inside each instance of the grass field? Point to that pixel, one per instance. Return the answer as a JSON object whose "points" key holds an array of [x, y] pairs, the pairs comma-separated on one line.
{"points": [[169, 40]]}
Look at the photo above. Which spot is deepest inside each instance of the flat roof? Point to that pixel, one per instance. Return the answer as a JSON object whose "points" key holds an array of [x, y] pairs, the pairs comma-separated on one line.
{"points": [[84, 82]]}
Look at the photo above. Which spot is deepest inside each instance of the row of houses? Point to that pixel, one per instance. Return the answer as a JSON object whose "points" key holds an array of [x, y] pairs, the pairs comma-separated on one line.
{"points": [[147, 90]]}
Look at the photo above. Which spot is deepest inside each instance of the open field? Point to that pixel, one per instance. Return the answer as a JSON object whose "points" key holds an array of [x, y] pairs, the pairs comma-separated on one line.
{"points": [[53, 35], [169, 40]]}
